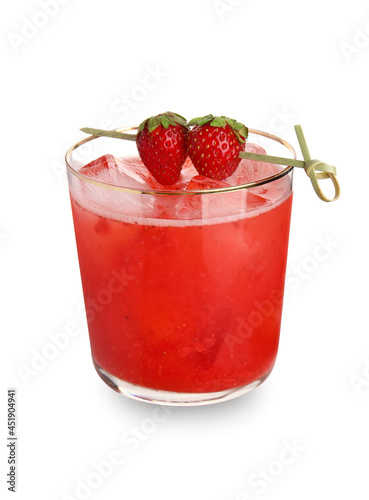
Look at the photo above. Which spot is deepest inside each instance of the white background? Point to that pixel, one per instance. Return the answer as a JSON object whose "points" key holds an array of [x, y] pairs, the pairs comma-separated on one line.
{"points": [[271, 65]]}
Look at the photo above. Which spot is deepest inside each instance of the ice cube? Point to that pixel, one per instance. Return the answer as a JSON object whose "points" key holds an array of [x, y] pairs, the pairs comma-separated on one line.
{"points": [[251, 147], [165, 207], [134, 168], [124, 172], [113, 171], [252, 170], [103, 169], [207, 206], [254, 201], [136, 174], [199, 206], [199, 182], [187, 173]]}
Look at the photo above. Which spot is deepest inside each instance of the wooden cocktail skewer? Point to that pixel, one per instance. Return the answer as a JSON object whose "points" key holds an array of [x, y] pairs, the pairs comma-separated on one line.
{"points": [[315, 169]]}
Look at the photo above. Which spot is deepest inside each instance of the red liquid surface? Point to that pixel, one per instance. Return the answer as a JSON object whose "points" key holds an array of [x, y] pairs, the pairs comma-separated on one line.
{"points": [[193, 308]]}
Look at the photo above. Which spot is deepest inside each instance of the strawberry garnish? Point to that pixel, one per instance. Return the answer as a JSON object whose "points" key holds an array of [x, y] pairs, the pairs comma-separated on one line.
{"points": [[214, 144], [161, 143]]}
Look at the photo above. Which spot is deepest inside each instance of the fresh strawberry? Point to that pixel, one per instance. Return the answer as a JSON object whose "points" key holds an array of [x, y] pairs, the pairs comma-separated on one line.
{"points": [[214, 144], [161, 143]]}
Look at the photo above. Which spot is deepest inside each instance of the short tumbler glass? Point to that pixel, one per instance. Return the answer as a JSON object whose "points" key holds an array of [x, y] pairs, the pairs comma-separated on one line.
{"points": [[183, 289]]}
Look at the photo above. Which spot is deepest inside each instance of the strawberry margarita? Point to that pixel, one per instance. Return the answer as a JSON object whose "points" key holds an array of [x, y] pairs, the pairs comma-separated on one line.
{"points": [[183, 286]]}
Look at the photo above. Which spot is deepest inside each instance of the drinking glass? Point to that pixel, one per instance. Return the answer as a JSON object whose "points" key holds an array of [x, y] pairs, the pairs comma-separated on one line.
{"points": [[183, 289]]}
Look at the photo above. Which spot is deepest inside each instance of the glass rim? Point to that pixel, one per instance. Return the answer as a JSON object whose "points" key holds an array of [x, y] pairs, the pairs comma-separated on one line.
{"points": [[249, 185]]}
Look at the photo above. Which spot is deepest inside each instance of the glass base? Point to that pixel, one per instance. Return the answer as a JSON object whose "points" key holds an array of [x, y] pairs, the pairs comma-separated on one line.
{"points": [[173, 398]]}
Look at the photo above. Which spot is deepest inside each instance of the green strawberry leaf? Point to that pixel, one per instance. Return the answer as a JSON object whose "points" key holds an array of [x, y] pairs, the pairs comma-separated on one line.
{"points": [[244, 132], [181, 120], [239, 129], [200, 120], [153, 123], [171, 120], [175, 119], [141, 126], [218, 121], [241, 134], [239, 138], [165, 121]]}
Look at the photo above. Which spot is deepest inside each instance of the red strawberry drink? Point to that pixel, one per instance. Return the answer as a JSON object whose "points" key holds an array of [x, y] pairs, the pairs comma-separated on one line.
{"points": [[183, 286]]}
